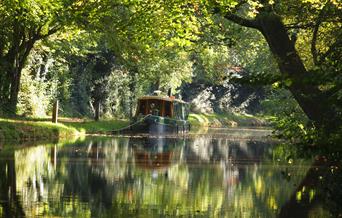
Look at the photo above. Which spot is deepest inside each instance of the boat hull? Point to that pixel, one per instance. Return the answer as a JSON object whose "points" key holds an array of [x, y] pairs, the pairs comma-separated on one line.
{"points": [[159, 125]]}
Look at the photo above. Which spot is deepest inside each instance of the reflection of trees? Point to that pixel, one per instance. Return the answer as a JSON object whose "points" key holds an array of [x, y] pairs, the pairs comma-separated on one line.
{"points": [[9, 200], [33, 167], [251, 190], [107, 177], [96, 170], [320, 186]]}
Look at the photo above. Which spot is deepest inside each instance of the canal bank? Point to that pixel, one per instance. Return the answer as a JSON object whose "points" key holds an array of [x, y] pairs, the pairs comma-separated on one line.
{"points": [[21, 130], [33, 129], [216, 120]]}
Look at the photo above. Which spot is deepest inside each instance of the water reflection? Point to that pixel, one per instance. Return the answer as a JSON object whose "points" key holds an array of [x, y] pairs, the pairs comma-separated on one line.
{"points": [[146, 177]]}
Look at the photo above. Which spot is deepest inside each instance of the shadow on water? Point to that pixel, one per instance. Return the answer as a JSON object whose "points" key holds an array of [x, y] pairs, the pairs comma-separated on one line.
{"points": [[219, 174]]}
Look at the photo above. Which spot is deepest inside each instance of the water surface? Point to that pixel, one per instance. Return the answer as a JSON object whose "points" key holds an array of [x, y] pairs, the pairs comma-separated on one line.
{"points": [[225, 173]]}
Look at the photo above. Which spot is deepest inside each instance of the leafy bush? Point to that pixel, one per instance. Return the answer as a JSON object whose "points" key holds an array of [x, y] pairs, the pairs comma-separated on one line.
{"points": [[37, 90], [292, 125]]}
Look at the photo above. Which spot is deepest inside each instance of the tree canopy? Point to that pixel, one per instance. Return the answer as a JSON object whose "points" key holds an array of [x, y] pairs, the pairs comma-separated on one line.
{"points": [[291, 44]]}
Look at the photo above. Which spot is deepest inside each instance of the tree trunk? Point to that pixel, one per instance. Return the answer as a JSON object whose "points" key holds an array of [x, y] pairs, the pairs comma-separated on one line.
{"points": [[97, 110], [8, 190], [309, 97], [14, 92], [55, 112], [13, 64], [4, 84], [132, 89]]}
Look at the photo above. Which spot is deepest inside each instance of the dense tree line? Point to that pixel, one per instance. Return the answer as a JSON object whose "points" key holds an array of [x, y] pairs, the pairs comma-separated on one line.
{"points": [[110, 52]]}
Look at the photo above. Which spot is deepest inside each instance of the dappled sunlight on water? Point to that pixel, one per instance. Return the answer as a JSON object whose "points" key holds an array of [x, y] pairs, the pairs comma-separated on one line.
{"points": [[204, 175]]}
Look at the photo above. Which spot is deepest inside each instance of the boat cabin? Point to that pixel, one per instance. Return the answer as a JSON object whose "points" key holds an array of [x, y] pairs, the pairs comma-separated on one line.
{"points": [[163, 106]]}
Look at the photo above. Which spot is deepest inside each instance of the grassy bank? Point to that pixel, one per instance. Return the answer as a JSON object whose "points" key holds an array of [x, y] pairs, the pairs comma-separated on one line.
{"points": [[20, 130], [91, 127], [25, 130], [225, 120]]}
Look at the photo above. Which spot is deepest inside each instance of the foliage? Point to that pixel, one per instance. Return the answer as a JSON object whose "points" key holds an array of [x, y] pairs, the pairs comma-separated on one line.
{"points": [[111, 52], [289, 120], [211, 63], [304, 38], [294, 127], [307, 40], [167, 69], [23, 24], [38, 85]]}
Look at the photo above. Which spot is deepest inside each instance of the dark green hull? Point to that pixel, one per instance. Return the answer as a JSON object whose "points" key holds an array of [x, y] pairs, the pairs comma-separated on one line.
{"points": [[158, 125]]}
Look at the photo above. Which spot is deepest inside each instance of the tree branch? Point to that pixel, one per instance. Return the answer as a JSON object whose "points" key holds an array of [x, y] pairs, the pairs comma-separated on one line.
{"points": [[313, 43], [319, 57], [331, 49], [230, 15], [51, 31], [299, 26], [242, 21], [314, 51]]}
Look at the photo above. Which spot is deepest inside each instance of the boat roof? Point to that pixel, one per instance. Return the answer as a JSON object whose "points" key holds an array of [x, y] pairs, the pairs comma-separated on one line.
{"points": [[163, 98]]}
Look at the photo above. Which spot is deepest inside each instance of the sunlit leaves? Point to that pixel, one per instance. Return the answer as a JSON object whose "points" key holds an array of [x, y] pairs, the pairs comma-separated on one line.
{"points": [[214, 61], [155, 23], [168, 67]]}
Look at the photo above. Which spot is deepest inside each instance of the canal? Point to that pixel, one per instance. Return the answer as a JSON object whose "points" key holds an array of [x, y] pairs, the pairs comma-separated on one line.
{"points": [[220, 173]]}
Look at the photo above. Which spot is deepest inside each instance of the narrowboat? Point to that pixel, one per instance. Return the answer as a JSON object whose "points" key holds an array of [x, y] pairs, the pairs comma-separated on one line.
{"points": [[161, 114]]}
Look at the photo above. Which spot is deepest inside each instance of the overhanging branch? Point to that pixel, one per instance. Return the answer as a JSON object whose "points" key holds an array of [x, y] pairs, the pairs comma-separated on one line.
{"points": [[331, 49], [230, 14], [313, 43], [242, 21]]}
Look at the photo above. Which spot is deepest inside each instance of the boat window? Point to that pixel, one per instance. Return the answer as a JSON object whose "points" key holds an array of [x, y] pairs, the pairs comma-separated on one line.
{"points": [[177, 110], [158, 107], [155, 107], [167, 112], [142, 107]]}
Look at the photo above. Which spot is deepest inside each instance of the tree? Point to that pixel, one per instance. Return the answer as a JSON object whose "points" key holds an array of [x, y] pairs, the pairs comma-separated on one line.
{"points": [[281, 23], [23, 23]]}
